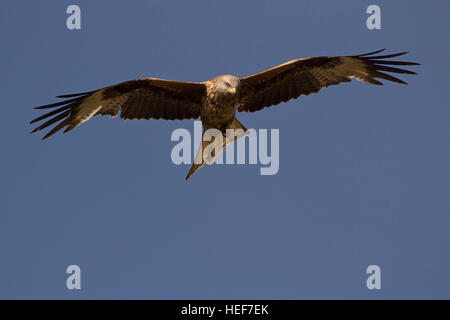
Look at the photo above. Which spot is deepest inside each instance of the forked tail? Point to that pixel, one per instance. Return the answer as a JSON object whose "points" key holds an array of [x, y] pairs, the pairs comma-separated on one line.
{"points": [[207, 154]]}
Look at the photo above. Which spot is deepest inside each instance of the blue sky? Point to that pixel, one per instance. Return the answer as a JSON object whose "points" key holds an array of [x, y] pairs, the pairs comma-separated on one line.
{"points": [[364, 170]]}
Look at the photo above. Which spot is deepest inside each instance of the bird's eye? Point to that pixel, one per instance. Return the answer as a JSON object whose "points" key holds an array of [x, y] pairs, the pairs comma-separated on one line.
{"points": [[228, 85]]}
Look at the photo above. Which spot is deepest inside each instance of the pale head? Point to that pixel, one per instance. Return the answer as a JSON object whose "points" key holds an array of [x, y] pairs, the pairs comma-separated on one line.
{"points": [[227, 84]]}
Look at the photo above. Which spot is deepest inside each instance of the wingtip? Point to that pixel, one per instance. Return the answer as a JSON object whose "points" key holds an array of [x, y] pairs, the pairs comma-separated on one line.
{"points": [[48, 135], [371, 53], [71, 95]]}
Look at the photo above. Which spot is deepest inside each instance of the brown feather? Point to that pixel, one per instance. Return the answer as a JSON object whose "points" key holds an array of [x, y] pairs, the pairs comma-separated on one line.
{"points": [[136, 99], [310, 75]]}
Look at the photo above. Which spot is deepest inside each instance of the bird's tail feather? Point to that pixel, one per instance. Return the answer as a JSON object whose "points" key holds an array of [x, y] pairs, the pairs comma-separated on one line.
{"points": [[199, 161]]}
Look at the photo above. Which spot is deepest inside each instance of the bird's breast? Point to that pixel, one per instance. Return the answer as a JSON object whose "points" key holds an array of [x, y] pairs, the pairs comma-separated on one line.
{"points": [[216, 113]]}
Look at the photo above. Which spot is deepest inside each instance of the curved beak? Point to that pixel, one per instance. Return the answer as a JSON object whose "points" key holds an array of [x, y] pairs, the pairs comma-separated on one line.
{"points": [[231, 90]]}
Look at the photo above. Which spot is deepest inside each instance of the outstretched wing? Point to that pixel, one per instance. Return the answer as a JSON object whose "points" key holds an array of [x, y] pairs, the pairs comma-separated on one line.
{"points": [[309, 75], [136, 99]]}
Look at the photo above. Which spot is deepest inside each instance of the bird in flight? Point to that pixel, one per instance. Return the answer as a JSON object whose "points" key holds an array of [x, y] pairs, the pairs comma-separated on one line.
{"points": [[215, 101]]}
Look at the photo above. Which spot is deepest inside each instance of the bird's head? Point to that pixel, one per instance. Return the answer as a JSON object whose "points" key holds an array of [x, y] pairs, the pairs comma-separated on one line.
{"points": [[228, 85]]}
